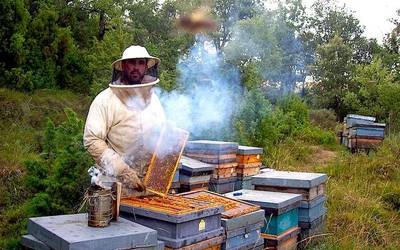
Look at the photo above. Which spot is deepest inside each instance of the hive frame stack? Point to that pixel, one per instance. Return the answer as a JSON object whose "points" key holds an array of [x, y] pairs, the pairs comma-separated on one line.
{"points": [[362, 132], [194, 174], [280, 230], [311, 186], [249, 163], [222, 155]]}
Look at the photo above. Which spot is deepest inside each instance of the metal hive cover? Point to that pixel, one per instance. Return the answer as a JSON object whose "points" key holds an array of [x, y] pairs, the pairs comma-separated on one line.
{"points": [[165, 160], [265, 199], [192, 165], [246, 150], [288, 179]]}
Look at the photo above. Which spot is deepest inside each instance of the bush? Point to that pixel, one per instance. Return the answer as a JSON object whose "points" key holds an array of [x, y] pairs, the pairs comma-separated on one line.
{"points": [[323, 118]]}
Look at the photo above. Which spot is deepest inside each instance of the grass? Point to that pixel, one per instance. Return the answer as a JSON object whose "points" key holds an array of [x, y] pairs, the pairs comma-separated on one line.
{"points": [[363, 191]]}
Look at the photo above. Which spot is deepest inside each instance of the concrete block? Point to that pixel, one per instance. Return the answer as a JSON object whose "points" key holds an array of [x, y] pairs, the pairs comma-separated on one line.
{"points": [[246, 150], [289, 179], [31, 242], [72, 232]]}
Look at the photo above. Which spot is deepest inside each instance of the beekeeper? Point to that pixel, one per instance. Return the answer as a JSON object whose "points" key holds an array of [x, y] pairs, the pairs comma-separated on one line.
{"points": [[124, 120]]}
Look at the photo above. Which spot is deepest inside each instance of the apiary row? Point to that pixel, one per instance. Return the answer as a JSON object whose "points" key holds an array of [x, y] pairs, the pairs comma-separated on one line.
{"points": [[217, 166]]}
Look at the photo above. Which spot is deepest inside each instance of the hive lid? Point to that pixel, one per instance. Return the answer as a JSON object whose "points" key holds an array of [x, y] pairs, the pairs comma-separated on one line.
{"points": [[288, 179], [265, 199], [192, 165], [217, 146], [246, 150], [72, 232]]}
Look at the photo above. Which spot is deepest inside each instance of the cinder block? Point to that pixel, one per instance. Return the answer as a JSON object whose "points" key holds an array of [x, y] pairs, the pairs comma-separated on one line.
{"points": [[246, 150], [31, 242], [72, 232], [288, 179]]}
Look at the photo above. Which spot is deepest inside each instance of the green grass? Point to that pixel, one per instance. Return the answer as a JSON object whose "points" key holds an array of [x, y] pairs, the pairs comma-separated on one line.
{"points": [[363, 191]]}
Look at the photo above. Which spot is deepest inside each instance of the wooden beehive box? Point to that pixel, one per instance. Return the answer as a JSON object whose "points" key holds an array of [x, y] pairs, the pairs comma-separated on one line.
{"points": [[179, 221], [309, 185], [242, 221], [281, 209]]}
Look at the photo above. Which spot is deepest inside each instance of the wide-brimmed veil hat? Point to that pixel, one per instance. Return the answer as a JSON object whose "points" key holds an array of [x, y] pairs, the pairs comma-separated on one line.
{"points": [[133, 52]]}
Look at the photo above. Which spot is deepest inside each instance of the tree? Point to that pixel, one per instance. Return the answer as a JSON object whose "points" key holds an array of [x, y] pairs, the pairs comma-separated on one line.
{"points": [[228, 13], [333, 75]]}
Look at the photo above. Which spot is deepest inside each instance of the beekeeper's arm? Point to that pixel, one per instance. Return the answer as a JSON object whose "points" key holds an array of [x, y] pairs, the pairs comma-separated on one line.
{"points": [[97, 125]]}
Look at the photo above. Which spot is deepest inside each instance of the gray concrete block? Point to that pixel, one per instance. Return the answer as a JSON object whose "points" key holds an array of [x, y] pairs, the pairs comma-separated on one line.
{"points": [[246, 150], [72, 232], [192, 165], [268, 200], [31, 242], [289, 179]]}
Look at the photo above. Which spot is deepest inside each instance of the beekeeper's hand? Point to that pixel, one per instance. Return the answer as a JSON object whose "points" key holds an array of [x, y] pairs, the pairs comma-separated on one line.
{"points": [[113, 165], [130, 179]]}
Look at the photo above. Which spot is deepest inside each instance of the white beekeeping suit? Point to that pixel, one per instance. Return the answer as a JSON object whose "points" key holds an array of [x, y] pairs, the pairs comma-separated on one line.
{"points": [[123, 125]]}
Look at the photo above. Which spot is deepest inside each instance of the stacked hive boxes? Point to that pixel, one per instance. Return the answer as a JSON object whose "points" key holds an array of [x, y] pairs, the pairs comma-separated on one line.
{"points": [[175, 185], [181, 223], [222, 155], [280, 230], [72, 232], [194, 174], [311, 186], [361, 132], [242, 221], [249, 163]]}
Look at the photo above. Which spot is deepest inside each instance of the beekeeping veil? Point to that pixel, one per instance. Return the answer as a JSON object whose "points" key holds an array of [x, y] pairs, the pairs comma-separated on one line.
{"points": [[126, 91]]}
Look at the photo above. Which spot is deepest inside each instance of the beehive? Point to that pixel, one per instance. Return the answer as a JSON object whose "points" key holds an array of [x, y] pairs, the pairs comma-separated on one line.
{"points": [[242, 221], [179, 221], [281, 209], [310, 185]]}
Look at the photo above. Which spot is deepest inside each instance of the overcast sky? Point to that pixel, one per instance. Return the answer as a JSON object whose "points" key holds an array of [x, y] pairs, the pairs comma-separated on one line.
{"points": [[373, 14]]}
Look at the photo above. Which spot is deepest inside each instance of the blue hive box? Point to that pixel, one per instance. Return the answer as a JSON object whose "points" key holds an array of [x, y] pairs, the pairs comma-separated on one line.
{"points": [[368, 131], [312, 210], [353, 119], [281, 209]]}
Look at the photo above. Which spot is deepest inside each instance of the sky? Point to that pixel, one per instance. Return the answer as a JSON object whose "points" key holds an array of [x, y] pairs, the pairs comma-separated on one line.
{"points": [[373, 14]]}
